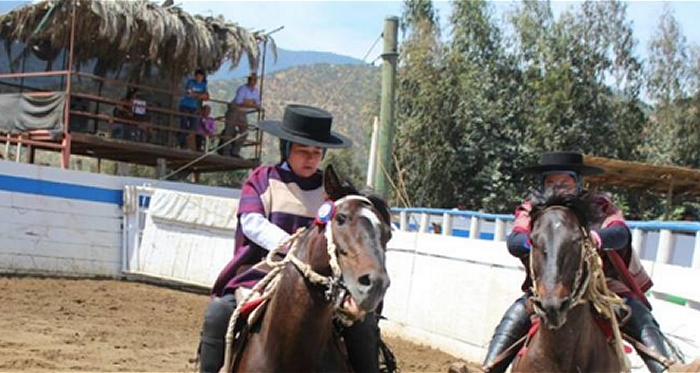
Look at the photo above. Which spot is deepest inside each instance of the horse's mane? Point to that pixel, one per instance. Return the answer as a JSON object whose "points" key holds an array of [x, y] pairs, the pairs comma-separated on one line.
{"points": [[580, 204]]}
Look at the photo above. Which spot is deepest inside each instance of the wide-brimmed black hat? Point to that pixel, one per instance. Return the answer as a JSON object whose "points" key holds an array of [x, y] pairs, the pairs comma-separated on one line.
{"points": [[306, 125], [563, 161]]}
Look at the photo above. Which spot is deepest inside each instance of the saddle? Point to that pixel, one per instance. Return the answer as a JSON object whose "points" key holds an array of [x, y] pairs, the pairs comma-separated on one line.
{"points": [[251, 314], [604, 325]]}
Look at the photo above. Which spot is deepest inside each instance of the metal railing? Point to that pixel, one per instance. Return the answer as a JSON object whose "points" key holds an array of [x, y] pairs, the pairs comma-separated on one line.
{"points": [[676, 243]]}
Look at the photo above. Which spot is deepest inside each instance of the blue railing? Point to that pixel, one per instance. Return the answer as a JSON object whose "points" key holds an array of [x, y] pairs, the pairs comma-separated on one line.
{"points": [[654, 225], [466, 214], [671, 242]]}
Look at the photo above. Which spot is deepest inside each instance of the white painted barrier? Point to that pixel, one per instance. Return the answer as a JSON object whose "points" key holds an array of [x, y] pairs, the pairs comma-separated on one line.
{"points": [[182, 237], [54, 221], [450, 292]]}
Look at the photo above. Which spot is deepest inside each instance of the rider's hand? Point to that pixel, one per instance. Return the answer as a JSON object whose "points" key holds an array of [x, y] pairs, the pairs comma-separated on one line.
{"points": [[597, 241]]}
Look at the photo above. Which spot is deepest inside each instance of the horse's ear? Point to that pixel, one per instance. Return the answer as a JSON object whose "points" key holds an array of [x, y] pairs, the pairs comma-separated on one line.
{"points": [[332, 184]]}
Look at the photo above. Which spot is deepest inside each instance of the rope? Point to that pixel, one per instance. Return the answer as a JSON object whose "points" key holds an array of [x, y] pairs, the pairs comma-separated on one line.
{"points": [[354, 73], [207, 153], [267, 286], [605, 301]]}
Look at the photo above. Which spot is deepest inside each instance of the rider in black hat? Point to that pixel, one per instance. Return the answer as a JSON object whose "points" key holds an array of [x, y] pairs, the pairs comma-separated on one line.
{"points": [[275, 201], [563, 172]]}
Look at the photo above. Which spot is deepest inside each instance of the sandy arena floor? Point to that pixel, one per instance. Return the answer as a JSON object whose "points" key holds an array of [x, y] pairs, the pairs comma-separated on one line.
{"points": [[103, 325]]}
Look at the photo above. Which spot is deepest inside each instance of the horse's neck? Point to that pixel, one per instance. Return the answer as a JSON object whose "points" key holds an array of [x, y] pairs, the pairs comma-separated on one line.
{"points": [[567, 343], [299, 319]]}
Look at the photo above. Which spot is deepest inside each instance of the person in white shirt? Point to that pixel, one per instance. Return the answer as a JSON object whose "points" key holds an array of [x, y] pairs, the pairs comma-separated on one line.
{"points": [[247, 100]]}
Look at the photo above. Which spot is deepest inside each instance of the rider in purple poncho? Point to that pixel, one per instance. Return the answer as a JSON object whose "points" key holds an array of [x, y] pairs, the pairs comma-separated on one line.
{"points": [[275, 201]]}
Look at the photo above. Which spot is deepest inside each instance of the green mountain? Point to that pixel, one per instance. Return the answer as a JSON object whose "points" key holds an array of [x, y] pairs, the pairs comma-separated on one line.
{"points": [[350, 92]]}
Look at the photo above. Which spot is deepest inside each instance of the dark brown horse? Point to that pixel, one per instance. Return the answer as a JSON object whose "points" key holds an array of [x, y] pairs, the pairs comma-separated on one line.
{"points": [[567, 283], [297, 333]]}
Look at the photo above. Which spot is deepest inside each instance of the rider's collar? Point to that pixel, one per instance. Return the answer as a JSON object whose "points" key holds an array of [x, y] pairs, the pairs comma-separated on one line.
{"points": [[325, 213]]}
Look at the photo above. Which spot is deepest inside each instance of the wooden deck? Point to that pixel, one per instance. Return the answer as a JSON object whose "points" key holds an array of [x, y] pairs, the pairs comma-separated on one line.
{"points": [[147, 154]]}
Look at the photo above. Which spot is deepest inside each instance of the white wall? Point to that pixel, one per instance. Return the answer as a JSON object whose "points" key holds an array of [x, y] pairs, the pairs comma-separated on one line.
{"points": [[186, 237], [450, 293], [54, 221], [58, 235]]}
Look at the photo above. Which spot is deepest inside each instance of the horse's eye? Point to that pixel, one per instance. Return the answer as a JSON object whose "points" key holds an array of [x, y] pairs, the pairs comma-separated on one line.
{"points": [[340, 218]]}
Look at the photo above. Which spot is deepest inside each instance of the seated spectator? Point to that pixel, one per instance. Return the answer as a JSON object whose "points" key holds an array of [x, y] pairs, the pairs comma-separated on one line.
{"points": [[130, 108]]}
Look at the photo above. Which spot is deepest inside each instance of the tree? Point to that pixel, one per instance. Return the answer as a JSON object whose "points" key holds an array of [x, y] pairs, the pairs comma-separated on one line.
{"points": [[667, 72], [673, 133]]}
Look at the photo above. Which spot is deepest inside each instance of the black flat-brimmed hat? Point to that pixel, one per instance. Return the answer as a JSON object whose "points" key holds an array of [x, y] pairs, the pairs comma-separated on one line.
{"points": [[306, 125], [563, 161]]}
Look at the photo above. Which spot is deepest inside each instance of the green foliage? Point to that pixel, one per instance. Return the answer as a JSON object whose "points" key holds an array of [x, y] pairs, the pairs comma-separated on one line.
{"points": [[344, 164], [673, 132], [476, 107]]}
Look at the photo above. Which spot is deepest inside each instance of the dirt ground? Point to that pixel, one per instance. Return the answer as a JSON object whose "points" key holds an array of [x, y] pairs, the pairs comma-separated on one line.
{"points": [[105, 325]]}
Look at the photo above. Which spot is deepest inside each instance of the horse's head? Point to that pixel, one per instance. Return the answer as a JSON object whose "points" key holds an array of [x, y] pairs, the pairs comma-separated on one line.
{"points": [[360, 229], [559, 237]]}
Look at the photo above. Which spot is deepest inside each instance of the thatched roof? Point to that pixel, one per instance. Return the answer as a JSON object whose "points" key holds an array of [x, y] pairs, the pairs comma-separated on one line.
{"points": [[635, 175], [135, 32]]}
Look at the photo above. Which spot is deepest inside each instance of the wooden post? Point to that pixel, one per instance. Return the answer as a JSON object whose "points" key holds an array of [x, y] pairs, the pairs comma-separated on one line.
{"points": [[386, 114], [18, 153], [161, 168], [65, 158]]}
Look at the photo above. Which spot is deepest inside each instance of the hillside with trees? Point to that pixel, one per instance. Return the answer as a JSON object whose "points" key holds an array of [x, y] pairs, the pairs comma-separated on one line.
{"points": [[349, 92]]}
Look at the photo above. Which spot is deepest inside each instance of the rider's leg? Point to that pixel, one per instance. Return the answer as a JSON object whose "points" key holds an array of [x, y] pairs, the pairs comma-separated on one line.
{"points": [[643, 327], [513, 326], [362, 342], [212, 348]]}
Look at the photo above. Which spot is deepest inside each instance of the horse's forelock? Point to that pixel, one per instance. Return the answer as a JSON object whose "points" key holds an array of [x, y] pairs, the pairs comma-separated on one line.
{"points": [[581, 205]]}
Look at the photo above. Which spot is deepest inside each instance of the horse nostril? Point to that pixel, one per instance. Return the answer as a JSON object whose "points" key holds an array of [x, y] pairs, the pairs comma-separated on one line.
{"points": [[365, 280]]}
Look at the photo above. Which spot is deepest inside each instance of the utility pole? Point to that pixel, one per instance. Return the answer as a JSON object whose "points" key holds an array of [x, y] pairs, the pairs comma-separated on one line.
{"points": [[386, 114]]}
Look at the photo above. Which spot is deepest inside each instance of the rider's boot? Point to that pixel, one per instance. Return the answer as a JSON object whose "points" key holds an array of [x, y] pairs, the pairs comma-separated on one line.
{"points": [[643, 327], [362, 343], [212, 347], [513, 326]]}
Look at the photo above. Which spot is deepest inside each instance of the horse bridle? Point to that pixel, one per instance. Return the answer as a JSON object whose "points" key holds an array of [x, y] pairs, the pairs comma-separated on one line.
{"points": [[581, 280], [334, 288]]}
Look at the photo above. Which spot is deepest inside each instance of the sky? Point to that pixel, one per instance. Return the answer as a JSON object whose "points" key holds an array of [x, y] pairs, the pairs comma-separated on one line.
{"points": [[352, 27]]}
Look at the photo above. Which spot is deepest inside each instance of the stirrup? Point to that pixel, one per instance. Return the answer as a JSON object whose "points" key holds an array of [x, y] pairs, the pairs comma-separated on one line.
{"points": [[387, 360]]}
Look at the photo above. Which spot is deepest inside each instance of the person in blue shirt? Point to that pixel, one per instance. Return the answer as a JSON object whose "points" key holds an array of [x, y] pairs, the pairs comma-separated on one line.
{"points": [[196, 91]]}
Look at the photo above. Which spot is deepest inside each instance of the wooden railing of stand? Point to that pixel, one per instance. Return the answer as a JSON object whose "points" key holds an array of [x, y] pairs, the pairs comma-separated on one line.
{"points": [[42, 139]]}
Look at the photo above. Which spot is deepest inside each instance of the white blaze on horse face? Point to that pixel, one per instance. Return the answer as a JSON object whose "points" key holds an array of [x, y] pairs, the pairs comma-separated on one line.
{"points": [[557, 224], [372, 217]]}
